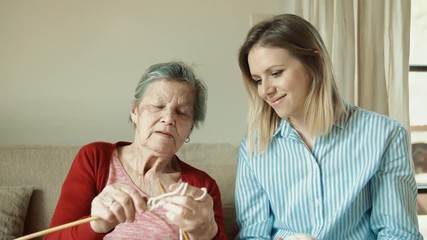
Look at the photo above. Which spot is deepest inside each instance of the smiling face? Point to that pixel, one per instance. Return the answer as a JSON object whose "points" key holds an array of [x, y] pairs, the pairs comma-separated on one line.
{"points": [[164, 117], [282, 81]]}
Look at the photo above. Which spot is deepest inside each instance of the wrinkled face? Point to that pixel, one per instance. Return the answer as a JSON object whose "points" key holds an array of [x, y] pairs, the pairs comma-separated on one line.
{"points": [[283, 82], [164, 117]]}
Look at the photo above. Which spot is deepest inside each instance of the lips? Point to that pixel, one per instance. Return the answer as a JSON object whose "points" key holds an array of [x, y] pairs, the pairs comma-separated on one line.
{"points": [[275, 101], [164, 133]]}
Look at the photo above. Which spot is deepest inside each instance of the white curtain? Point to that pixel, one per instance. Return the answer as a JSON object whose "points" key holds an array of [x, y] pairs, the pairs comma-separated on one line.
{"points": [[369, 45]]}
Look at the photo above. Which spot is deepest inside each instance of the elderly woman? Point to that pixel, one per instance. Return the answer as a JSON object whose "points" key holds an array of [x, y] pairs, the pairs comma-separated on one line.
{"points": [[114, 182]]}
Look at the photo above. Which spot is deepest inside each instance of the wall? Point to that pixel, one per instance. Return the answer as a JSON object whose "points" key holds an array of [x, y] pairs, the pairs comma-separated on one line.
{"points": [[68, 69]]}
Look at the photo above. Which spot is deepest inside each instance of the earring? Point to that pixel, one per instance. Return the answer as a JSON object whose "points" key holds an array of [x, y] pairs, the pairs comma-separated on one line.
{"points": [[187, 140]]}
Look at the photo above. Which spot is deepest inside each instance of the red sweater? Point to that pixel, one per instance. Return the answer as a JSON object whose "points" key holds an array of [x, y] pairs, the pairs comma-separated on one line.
{"points": [[88, 176]]}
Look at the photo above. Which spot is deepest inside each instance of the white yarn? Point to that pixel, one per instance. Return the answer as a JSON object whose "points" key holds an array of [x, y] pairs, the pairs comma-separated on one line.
{"points": [[155, 202]]}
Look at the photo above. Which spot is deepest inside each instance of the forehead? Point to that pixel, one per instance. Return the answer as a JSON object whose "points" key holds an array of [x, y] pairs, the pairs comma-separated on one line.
{"points": [[168, 89], [261, 58], [260, 54]]}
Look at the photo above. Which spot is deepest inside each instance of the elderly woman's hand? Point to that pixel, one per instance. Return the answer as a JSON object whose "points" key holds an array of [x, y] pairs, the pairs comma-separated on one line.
{"points": [[117, 203], [196, 217]]}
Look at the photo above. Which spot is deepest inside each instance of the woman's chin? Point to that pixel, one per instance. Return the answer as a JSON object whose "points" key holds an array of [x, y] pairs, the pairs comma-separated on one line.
{"points": [[282, 114]]}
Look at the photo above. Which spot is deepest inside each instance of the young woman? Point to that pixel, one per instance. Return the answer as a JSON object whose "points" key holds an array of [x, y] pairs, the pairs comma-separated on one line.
{"points": [[311, 163]]}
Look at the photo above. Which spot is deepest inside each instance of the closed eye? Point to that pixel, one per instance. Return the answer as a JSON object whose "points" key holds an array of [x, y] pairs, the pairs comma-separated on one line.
{"points": [[154, 108], [184, 111], [277, 73], [257, 81]]}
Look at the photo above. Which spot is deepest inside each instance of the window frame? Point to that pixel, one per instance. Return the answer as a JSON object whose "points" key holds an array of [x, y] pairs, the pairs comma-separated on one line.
{"points": [[421, 188], [418, 68]]}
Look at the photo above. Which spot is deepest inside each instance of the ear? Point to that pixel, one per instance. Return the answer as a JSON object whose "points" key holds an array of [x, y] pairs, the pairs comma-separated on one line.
{"points": [[317, 53], [134, 114]]}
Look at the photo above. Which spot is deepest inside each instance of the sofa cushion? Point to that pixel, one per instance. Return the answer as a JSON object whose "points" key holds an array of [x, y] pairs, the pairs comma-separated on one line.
{"points": [[13, 209]]}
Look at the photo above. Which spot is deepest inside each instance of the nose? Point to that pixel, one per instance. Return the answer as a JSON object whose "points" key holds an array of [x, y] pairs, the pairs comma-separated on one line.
{"points": [[168, 117], [265, 88]]}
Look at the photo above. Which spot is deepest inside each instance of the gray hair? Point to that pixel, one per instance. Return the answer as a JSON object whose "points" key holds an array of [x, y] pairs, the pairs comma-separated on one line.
{"points": [[174, 71]]}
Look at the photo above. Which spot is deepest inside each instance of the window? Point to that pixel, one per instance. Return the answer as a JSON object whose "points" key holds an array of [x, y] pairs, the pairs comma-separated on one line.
{"points": [[418, 98]]}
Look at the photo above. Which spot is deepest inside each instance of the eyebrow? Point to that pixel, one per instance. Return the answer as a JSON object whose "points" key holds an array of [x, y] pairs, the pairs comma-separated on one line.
{"points": [[267, 70]]}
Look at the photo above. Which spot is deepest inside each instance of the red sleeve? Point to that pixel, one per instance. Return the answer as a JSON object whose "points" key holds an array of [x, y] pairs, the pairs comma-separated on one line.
{"points": [[85, 180], [198, 178]]}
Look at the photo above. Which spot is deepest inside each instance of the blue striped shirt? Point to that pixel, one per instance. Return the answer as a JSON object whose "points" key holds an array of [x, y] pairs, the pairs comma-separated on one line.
{"points": [[357, 182]]}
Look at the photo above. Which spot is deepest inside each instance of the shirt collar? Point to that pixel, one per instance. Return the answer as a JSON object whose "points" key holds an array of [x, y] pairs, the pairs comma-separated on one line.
{"points": [[344, 118], [285, 127]]}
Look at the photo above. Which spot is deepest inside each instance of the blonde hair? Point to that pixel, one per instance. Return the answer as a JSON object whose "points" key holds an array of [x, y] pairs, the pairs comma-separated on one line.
{"points": [[300, 38]]}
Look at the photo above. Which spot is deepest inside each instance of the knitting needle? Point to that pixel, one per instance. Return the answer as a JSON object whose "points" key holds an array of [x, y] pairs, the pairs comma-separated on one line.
{"points": [[75, 223], [183, 234], [57, 228]]}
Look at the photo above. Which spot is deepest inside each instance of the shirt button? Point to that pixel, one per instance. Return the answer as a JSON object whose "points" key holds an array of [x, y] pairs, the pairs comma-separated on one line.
{"points": [[317, 202]]}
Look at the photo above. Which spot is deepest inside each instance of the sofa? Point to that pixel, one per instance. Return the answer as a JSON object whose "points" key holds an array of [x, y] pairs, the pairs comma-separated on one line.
{"points": [[31, 178]]}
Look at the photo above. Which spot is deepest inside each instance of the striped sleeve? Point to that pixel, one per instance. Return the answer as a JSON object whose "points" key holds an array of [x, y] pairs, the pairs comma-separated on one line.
{"points": [[393, 191], [252, 205]]}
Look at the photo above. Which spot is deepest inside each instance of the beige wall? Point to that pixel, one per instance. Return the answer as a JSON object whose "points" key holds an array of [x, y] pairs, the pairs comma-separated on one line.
{"points": [[68, 68]]}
